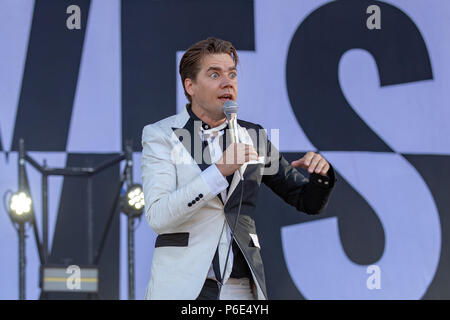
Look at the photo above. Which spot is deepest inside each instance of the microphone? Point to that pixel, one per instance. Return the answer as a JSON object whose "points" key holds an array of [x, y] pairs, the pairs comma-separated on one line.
{"points": [[230, 109]]}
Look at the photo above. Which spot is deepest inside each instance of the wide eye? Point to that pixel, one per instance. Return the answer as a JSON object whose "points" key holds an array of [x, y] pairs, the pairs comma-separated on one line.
{"points": [[214, 75], [233, 75]]}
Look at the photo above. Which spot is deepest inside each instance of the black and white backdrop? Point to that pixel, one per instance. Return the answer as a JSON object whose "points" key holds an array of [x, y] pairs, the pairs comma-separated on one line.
{"points": [[374, 102]]}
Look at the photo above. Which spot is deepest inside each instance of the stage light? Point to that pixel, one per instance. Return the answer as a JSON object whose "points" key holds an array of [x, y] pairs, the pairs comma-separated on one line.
{"points": [[133, 202], [20, 207]]}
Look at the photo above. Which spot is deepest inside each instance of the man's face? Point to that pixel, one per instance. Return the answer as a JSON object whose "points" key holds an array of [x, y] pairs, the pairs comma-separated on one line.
{"points": [[216, 83]]}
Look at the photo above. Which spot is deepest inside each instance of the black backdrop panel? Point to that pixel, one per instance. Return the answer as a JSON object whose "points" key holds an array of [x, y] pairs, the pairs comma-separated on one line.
{"points": [[70, 241], [152, 33]]}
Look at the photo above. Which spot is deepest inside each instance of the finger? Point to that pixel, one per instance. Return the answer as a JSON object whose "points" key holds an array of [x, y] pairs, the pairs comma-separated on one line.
{"points": [[245, 153], [314, 163], [325, 169], [242, 157], [253, 149], [298, 163], [230, 153], [253, 152], [250, 149], [308, 157], [320, 166], [251, 156], [243, 148]]}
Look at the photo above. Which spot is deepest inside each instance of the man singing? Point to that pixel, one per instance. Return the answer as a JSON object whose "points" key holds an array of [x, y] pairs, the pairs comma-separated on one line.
{"points": [[195, 200]]}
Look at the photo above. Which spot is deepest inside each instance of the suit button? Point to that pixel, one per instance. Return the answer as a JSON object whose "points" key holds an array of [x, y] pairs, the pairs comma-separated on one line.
{"points": [[200, 195], [193, 202], [189, 204], [197, 199]]}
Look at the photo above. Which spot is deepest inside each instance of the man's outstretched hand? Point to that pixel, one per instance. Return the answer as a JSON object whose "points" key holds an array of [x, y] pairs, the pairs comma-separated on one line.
{"points": [[313, 162]]}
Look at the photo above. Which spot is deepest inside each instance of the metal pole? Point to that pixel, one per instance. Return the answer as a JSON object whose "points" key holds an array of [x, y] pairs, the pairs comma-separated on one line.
{"points": [[129, 177], [45, 213], [99, 251], [22, 261], [90, 222], [130, 257], [129, 157], [90, 225], [38, 242], [22, 185], [21, 165]]}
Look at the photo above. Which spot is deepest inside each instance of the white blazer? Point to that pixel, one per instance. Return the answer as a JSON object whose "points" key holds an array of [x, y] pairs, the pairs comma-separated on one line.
{"points": [[187, 235]]}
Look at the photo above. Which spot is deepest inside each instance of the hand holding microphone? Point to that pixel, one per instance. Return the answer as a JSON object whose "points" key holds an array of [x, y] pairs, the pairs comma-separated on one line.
{"points": [[237, 153], [234, 157]]}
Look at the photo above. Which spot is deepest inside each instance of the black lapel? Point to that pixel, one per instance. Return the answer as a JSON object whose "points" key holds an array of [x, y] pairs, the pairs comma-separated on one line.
{"points": [[190, 138]]}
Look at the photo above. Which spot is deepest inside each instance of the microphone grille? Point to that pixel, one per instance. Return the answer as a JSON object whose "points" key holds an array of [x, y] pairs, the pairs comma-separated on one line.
{"points": [[230, 107]]}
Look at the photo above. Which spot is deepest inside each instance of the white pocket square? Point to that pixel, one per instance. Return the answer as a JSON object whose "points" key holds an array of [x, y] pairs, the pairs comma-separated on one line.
{"points": [[260, 160], [255, 240]]}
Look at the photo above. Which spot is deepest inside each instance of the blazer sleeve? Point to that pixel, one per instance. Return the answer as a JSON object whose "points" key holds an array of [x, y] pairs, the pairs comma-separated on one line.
{"points": [[309, 195], [166, 204]]}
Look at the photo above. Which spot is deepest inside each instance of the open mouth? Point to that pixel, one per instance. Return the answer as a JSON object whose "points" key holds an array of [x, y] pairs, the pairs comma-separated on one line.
{"points": [[225, 97]]}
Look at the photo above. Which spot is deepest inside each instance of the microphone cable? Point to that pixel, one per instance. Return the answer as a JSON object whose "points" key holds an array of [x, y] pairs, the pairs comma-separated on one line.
{"points": [[232, 238]]}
